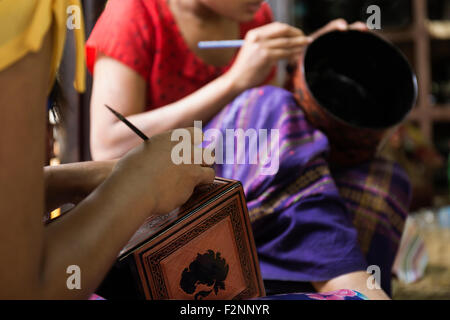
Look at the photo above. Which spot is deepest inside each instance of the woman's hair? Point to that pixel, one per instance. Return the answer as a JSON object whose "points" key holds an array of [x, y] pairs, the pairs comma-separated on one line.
{"points": [[57, 102], [56, 108]]}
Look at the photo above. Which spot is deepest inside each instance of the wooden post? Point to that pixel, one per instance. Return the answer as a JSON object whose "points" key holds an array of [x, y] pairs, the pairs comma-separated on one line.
{"points": [[422, 57], [75, 136], [69, 133], [92, 11], [283, 11]]}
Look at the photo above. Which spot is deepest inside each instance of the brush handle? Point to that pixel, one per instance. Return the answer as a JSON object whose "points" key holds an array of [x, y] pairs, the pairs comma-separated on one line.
{"points": [[220, 44], [128, 123]]}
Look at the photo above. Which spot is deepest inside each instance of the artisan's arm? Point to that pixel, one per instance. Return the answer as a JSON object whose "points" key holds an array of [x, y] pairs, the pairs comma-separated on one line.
{"points": [[35, 258], [71, 183]]}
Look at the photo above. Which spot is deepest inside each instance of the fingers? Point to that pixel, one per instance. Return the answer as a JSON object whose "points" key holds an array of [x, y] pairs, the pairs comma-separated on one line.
{"points": [[209, 157], [290, 54], [197, 137], [205, 175], [340, 25], [195, 134], [335, 25], [191, 135], [202, 156], [273, 30], [190, 140], [359, 26], [288, 43]]}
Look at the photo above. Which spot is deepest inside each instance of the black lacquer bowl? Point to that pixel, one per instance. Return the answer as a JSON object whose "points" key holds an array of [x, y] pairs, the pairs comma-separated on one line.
{"points": [[355, 87]]}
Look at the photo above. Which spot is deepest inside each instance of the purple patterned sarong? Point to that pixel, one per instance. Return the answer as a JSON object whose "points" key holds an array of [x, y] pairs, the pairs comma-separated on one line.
{"points": [[311, 223]]}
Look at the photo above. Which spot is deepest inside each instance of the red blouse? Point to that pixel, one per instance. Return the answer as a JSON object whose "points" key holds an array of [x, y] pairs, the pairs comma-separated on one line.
{"points": [[143, 35]]}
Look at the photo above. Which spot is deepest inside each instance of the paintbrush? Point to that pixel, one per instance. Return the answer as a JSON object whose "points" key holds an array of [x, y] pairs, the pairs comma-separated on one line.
{"points": [[128, 123], [220, 44]]}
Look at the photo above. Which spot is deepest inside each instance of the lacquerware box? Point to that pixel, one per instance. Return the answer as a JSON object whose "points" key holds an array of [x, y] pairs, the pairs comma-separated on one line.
{"points": [[203, 250]]}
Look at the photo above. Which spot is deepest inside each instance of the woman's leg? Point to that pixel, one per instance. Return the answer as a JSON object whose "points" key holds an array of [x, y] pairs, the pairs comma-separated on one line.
{"points": [[377, 195]]}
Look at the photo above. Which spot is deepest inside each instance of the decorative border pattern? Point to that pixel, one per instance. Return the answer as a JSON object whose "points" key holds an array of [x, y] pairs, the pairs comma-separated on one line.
{"points": [[153, 261], [153, 225]]}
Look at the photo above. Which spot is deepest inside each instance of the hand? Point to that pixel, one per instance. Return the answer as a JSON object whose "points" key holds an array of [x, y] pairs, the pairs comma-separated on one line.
{"points": [[334, 25], [153, 182], [262, 48], [339, 25]]}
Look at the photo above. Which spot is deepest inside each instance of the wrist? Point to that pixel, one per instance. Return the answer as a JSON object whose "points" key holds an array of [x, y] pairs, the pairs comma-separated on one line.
{"points": [[117, 188], [99, 172], [233, 83]]}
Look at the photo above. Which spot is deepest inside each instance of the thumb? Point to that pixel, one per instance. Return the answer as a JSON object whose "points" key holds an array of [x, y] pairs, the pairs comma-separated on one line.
{"points": [[206, 175]]}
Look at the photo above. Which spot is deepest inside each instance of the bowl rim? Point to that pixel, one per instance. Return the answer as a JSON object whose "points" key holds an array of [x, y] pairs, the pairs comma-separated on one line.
{"points": [[335, 117]]}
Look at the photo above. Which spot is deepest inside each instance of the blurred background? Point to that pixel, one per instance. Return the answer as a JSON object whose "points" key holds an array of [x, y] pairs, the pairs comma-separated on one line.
{"points": [[421, 29]]}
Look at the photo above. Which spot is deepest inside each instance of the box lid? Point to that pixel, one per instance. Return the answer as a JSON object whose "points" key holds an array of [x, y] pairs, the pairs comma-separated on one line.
{"points": [[156, 225]]}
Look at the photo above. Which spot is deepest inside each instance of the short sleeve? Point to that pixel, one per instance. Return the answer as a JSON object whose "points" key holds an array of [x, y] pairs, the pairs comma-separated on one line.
{"points": [[124, 32], [266, 13], [24, 26]]}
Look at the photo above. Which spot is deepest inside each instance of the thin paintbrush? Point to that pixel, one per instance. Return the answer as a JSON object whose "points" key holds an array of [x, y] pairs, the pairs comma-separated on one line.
{"points": [[220, 44], [128, 123]]}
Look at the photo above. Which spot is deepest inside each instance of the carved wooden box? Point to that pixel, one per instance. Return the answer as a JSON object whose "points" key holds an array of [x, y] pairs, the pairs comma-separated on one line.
{"points": [[203, 250]]}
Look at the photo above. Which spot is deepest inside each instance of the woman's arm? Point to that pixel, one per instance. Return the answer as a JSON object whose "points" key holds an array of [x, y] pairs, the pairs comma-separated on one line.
{"points": [[124, 89], [35, 258], [71, 183]]}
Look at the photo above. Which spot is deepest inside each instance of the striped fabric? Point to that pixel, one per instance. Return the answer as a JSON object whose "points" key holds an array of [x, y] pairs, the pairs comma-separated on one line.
{"points": [[312, 221]]}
